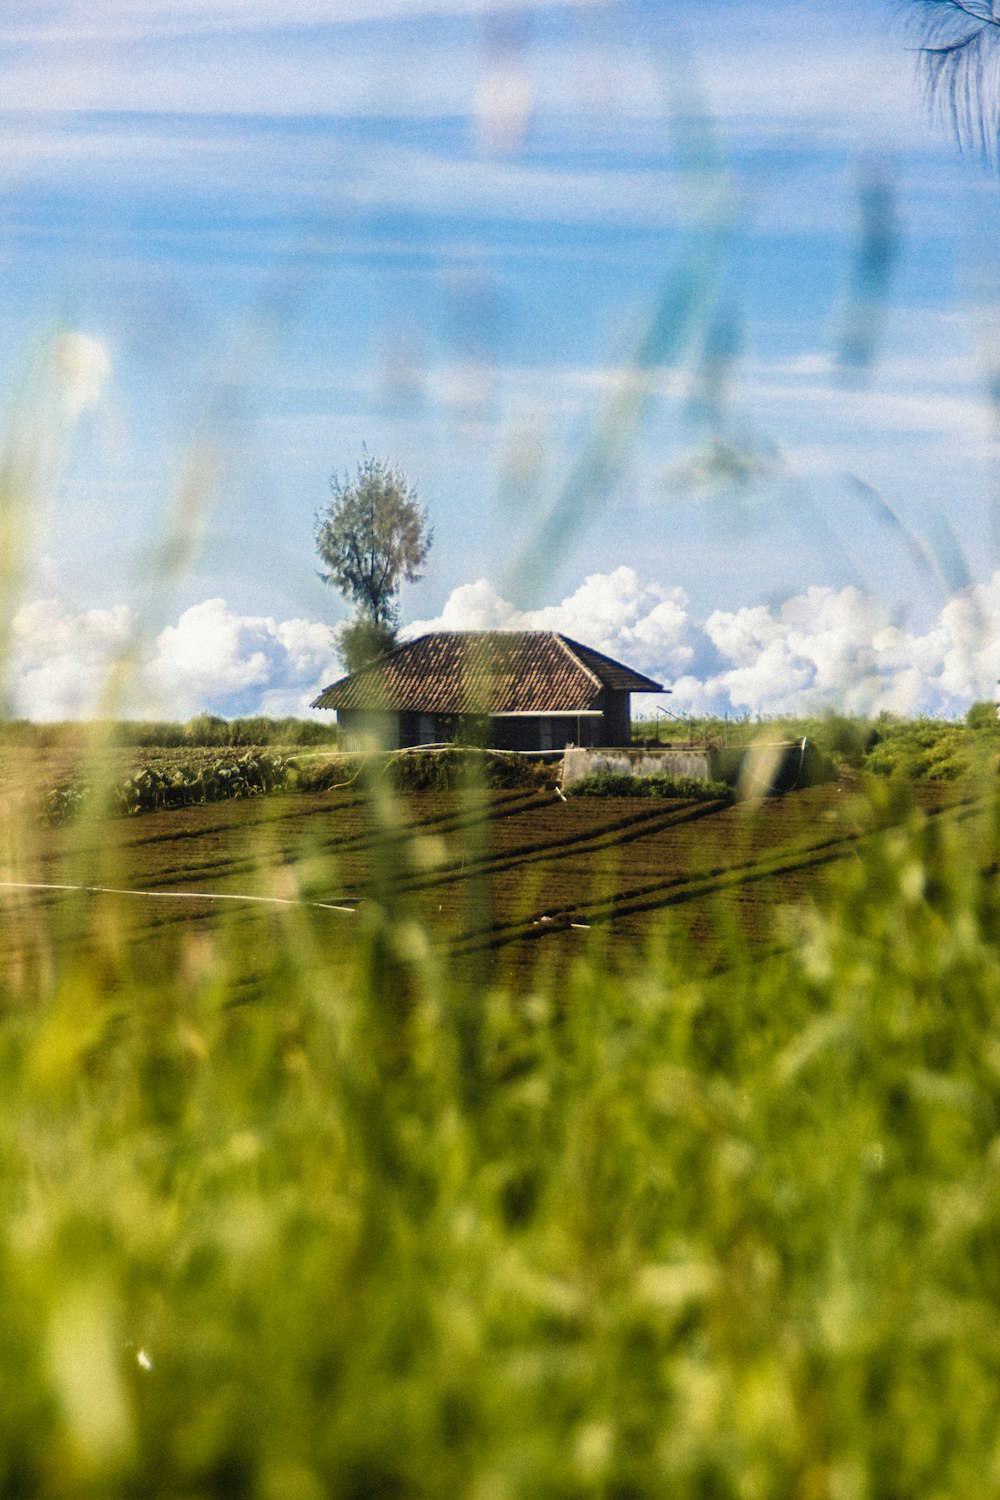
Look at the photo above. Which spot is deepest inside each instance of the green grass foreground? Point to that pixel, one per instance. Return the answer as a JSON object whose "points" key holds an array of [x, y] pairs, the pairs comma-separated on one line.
{"points": [[667, 1232]]}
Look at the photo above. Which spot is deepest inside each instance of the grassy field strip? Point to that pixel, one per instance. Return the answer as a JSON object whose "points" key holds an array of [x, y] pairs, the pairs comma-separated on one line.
{"points": [[609, 835], [296, 804], [221, 865], [591, 840], [221, 868], [667, 859], [227, 865], [277, 808], [111, 890], [449, 821], [722, 878]]}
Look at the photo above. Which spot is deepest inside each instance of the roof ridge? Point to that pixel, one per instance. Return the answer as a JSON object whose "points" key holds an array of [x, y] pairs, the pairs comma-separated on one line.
{"points": [[518, 670], [564, 643], [487, 630]]}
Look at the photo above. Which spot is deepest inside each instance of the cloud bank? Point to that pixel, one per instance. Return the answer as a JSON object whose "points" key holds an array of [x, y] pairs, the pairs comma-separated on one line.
{"points": [[821, 649], [211, 659]]}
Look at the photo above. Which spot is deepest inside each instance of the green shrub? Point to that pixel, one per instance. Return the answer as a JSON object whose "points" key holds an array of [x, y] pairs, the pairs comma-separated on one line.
{"points": [[982, 716], [920, 750], [427, 771], [174, 783], [844, 740], [621, 784]]}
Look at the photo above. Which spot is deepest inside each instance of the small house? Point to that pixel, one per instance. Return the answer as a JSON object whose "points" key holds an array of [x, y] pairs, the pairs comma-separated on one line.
{"points": [[506, 689]]}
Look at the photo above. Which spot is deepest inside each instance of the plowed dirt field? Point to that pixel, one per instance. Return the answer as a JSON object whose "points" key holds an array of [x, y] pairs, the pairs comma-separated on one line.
{"points": [[499, 883]]}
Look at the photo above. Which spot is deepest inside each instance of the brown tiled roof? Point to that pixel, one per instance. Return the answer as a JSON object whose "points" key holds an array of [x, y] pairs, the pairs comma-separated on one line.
{"points": [[488, 671]]}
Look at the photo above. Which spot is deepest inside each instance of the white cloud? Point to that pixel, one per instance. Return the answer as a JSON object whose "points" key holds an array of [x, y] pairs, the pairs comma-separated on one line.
{"points": [[822, 648], [643, 623], [306, 643], [103, 20], [421, 180], [211, 649], [212, 658], [60, 658], [472, 606], [836, 649], [371, 56], [964, 416]]}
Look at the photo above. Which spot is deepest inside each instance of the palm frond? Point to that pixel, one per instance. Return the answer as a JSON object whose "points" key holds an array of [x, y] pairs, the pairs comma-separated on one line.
{"points": [[959, 65]]}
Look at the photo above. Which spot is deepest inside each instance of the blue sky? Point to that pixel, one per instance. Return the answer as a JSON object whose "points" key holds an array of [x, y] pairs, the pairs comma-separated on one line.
{"points": [[259, 235]]}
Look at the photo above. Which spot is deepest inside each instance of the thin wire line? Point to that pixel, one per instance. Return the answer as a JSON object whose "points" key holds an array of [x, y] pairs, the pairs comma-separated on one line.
{"points": [[111, 890]]}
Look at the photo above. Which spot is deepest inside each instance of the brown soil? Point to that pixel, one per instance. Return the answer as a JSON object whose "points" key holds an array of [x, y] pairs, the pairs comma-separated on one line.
{"points": [[496, 885]]}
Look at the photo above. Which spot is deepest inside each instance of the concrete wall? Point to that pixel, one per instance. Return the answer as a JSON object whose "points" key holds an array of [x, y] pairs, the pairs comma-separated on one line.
{"points": [[755, 770], [580, 763]]}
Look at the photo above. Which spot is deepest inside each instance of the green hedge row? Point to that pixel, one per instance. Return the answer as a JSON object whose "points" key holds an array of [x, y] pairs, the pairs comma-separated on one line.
{"points": [[255, 773], [620, 784], [152, 788], [429, 771]]}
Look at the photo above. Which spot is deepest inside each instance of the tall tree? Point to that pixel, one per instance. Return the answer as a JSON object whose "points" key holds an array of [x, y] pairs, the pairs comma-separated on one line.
{"points": [[371, 536]]}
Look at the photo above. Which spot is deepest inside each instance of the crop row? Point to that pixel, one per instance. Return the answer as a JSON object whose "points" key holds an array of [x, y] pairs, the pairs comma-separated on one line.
{"points": [[622, 784], [166, 782], [171, 785]]}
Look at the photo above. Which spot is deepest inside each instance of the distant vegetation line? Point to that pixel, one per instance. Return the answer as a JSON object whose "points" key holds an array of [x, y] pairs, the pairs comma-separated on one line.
{"points": [[921, 749], [141, 765], [842, 733], [205, 730]]}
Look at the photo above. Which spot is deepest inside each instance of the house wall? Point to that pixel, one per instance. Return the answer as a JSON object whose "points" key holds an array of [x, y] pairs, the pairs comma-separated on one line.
{"points": [[616, 725], [551, 732], [360, 730], [405, 730], [417, 729], [393, 731]]}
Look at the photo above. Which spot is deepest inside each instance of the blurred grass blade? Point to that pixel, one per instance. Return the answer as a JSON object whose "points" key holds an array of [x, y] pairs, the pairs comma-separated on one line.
{"points": [[876, 254], [686, 297]]}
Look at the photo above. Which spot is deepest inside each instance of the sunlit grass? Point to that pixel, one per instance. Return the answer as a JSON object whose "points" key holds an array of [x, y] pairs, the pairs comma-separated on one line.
{"points": [[380, 1232]]}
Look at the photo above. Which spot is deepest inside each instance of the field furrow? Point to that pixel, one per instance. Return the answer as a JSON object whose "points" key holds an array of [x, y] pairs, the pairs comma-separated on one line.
{"points": [[496, 874]]}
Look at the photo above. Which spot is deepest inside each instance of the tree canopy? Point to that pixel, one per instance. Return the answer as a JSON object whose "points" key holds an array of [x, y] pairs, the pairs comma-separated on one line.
{"points": [[361, 641], [371, 536]]}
